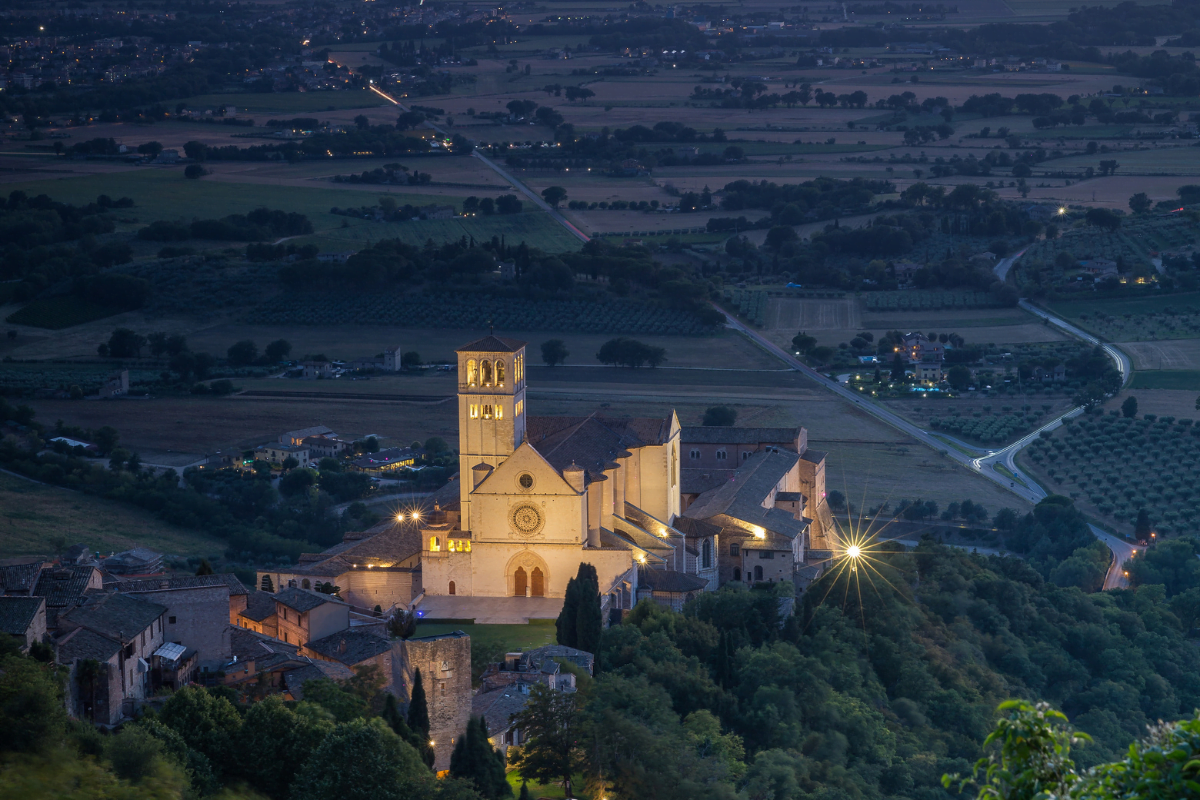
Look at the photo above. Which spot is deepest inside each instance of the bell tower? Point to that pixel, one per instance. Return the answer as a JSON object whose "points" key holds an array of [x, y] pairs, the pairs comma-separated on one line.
{"points": [[491, 407]]}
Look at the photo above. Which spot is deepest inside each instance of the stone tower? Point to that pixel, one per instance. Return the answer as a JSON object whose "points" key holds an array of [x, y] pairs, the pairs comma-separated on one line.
{"points": [[491, 408]]}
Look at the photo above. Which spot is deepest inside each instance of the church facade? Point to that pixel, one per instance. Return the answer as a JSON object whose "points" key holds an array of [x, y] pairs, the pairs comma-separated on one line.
{"points": [[537, 496]]}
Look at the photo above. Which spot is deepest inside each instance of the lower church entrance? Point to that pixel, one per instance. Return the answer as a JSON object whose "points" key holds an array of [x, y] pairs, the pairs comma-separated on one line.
{"points": [[529, 584]]}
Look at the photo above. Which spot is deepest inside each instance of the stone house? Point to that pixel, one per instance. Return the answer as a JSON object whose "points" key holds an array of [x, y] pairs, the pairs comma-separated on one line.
{"points": [[317, 369], [297, 437], [24, 619], [138, 561], [325, 447], [199, 611], [259, 614], [122, 633], [275, 454], [304, 615]]}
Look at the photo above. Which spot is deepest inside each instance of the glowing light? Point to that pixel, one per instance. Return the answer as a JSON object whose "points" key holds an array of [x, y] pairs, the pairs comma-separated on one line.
{"points": [[854, 551], [416, 515], [400, 517]]}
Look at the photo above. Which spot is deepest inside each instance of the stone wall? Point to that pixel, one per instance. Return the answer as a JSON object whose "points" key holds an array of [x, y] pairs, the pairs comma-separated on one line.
{"points": [[196, 617]]}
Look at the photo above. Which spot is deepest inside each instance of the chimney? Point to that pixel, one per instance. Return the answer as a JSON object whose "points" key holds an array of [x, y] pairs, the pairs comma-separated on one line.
{"points": [[342, 646], [574, 476]]}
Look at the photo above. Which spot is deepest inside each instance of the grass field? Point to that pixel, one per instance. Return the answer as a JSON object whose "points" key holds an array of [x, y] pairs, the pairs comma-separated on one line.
{"points": [[287, 102], [489, 643], [164, 194], [1181, 379], [723, 351], [1172, 354], [33, 515]]}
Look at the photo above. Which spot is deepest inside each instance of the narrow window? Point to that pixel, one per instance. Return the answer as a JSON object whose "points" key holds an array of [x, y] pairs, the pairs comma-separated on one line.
{"points": [[485, 373], [694, 455], [499, 412], [499, 372], [721, 455], [472, 374], [451, 587], [487, 411], [171, 620], [706, 554], [434, 544], [474, 411], [758, 573], [304, 584], [735, 549]]}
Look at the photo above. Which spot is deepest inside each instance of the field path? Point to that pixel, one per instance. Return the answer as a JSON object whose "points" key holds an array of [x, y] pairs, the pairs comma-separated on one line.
{"points": [[532, 195]]}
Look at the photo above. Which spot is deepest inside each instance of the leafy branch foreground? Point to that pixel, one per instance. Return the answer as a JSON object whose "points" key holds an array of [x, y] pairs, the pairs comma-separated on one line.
{"points": [[1034, 761]]}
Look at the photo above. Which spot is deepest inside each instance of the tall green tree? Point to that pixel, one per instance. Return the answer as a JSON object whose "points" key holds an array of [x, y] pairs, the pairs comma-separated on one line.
{"points": [[589, 621], [274, 739], [475, 759], [363, 760], [418, 719], [568, 616], [550, 722], [208, 723]]}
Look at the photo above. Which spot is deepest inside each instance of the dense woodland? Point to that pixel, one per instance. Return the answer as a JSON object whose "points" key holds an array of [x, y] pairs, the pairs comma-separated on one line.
{"points": [[868, 691]]}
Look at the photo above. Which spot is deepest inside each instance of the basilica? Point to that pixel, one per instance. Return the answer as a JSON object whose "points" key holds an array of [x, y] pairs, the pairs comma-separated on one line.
{"points": [[658, 509]]}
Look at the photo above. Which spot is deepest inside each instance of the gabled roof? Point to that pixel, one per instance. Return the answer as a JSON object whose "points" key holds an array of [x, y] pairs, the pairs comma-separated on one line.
{"points": [[259, 606], [19, 578], [742, 496], [719, 434], [350, 647], [497, 707], [492, 344], [120, 617], [18, 613], [63, 586], [84, 644], [593, 442], [302, 600], [175, 582]]}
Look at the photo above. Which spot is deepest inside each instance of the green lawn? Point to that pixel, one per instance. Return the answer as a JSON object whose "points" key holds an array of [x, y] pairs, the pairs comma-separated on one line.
{"points": [[287, 102], [1166, 379], [548, 791], [33, 515], [489, 643]]}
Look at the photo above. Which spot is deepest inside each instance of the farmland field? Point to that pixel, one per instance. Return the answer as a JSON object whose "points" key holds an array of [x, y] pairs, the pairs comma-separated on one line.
{"points": [[1182, 379], [32, 515], [1151, 461], [1174, 316], [288, 102], [1174, 354], [60, 312]]}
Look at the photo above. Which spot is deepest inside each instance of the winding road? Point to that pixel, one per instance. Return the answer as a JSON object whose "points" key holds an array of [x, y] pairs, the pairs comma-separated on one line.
{"points": [[986, 463]]}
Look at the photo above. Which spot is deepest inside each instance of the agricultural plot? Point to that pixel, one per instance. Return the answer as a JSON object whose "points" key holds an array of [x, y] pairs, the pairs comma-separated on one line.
{"points": [[288, 102], [1176, 354], [885, 302], [1131, 246], [465, 311], [1175, 379], [1153, 317], [60, 312], [24, 380], [1120, 465], [810, 315]]}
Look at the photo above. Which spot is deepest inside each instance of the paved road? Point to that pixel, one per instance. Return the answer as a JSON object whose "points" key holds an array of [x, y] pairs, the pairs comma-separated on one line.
{"points": [[532, 195]]}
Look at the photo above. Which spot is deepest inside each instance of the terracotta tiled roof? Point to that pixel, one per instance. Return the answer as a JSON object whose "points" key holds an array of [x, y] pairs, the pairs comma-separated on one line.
{"points": [[18, 613], [350, 647], [742, 496], [592, 442], [302, 599], [63, 586], [259, 606], [117, 616], [83, 644]]}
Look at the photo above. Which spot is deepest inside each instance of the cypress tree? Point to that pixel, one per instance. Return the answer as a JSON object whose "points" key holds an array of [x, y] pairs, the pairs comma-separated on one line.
{"points": [[524, 792], [418, 709], [1141, 531], [568, 618], [475, 759], [589, 623], [418, 719]]}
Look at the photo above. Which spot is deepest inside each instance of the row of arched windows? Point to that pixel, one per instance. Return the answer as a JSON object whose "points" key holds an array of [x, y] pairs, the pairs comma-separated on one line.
{"points": [[492, 373], [452, 545], [487, 411]]}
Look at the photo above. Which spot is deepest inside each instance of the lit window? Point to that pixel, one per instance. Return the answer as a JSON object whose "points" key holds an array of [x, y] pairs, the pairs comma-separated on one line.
{"points": [[520, 407], [474, 411], [472, 373], [485, 373], [499, 373], [435, 544], [487, 411], [499, 412]]}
